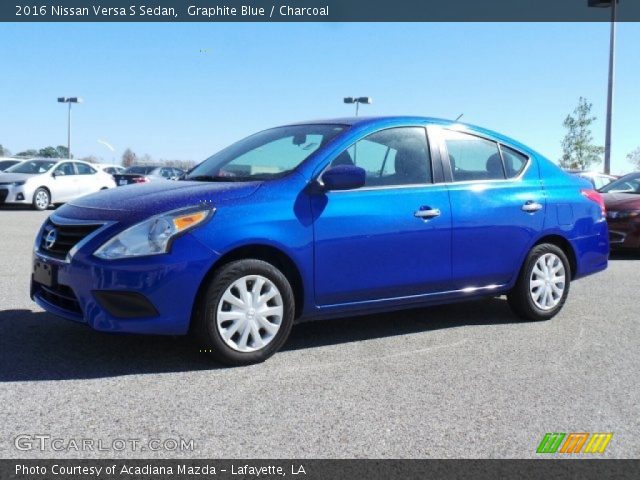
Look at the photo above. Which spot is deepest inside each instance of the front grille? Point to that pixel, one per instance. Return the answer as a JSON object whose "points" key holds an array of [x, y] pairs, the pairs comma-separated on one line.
{"points": [[60, 296], [3, 194], [58, 239]]}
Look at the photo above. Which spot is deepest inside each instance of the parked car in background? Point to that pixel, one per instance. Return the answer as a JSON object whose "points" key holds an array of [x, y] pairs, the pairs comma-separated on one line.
{"points": [[622, 199], [42, 182], [318, 220], [7, 162], [146, 173], [598, 180], [110, 169]]}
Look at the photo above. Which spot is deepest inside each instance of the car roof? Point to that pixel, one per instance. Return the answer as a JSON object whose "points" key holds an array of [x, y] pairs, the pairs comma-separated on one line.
{"points": [[392, 120]]}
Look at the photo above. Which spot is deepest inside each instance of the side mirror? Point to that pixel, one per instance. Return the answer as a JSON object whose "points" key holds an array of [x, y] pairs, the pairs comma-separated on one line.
{"points": [[54, 174], [344, 177]]}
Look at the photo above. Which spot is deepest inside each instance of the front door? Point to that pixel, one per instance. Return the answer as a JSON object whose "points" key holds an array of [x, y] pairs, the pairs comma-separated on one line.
{"points": [[390, 238], [65, 183]]}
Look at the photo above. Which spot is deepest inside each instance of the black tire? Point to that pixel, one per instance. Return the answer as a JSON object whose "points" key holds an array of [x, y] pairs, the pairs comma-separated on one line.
{"points": [[205, 329], [37, 201], [521, 299]]}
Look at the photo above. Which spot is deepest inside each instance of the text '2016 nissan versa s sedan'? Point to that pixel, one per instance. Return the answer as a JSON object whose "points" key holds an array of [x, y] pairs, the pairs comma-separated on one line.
{"points": [[318, 220]]}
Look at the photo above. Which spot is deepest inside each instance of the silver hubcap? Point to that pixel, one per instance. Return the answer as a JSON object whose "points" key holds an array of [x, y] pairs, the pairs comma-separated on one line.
{"points": [[249, 314], [547, 282], [42, 199]]}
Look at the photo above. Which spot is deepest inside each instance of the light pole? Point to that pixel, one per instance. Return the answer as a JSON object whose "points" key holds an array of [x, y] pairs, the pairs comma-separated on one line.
{"points": [[358, 101], [612, 53], [69, 101]]}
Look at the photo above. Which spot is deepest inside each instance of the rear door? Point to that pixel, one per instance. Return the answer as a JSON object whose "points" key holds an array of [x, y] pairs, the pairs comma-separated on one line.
{"points": [[391, 238], [88, 179], [497, 208]]}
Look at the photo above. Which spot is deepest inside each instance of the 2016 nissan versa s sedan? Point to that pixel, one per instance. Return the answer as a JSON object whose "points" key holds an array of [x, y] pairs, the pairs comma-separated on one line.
{"points": [[318, 220]]}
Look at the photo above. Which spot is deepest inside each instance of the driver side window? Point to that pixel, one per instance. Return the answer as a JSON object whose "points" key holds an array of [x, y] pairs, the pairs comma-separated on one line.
{"points": [[65, 169], [396, 156]]}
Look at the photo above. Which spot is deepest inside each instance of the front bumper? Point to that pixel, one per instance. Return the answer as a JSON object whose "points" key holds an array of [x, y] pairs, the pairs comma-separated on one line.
{"points": [[624, 234], [149, 295], [12, 194]]}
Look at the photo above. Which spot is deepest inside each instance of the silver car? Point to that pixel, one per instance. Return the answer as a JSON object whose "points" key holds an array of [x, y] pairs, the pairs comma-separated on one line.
{"points": [[42, 182]]}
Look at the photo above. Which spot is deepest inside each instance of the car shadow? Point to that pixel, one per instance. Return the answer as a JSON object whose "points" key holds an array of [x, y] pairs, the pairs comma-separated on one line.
{"points": [[37, 346]]}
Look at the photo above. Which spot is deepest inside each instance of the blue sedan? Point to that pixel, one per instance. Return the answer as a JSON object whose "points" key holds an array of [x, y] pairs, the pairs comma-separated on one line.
{"points": [[317, 220]]}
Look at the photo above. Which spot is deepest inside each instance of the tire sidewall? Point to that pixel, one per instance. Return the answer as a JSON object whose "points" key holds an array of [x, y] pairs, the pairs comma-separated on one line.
{"points": [[213, 294]]}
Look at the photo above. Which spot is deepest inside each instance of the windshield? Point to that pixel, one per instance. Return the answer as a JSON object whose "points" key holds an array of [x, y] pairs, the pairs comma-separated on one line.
{"points": [[32, 166], [7, 163], [628, 184], [268, 154], [139, 169]]}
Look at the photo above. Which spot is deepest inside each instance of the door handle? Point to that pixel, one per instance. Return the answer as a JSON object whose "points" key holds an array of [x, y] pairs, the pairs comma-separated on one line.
{"points": [[427, 213], [531, 207]]}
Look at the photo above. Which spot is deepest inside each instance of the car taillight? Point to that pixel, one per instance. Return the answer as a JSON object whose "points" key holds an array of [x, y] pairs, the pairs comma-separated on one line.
{"points": [[595, 196], [140, 180]]}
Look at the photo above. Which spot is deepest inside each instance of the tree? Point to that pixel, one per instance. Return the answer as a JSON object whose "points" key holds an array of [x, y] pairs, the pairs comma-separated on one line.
{"points": [[128, 158], [48, 152], [62, 152], [4, 152], [146, 159], [634, 158], [28, 153], [577, 147]]}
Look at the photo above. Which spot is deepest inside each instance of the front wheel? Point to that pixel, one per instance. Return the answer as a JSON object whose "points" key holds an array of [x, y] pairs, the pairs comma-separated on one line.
{"points": [[41, 199], [543, 284], [245, 314]]}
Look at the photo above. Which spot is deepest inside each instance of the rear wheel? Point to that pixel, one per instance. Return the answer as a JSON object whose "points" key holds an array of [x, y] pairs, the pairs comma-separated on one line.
{"points": [[543, 283], [41, 199], [245, 314]]}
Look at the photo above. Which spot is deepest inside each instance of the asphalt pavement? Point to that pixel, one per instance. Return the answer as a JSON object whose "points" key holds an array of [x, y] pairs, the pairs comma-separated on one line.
{"points": [[461, 381]]}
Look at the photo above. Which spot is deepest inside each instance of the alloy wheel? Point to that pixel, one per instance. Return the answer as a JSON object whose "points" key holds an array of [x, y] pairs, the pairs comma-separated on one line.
{"points": [[42, 199]]}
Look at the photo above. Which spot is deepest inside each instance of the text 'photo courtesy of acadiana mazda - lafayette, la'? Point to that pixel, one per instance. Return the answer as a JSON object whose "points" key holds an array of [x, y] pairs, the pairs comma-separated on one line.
{"points": [[317, 220]]}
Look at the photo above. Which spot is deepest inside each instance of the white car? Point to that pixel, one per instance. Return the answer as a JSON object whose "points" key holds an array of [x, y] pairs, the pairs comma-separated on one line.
{"points": [[42, 182], [110, 169]]}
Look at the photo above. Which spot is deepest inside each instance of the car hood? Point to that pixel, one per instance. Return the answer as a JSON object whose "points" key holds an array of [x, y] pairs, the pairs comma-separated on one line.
{"points": [[621, 201], [16, 177], [134, 203]]}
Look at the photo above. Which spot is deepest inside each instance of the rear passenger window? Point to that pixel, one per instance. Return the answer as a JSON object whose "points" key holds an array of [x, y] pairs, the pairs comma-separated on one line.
{"points": [[473, 158], [514, 162], [84, 169]]}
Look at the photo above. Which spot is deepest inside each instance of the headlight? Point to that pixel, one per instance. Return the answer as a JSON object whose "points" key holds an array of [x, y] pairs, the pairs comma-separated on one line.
{"points": [[153, 236], [17, 184]]}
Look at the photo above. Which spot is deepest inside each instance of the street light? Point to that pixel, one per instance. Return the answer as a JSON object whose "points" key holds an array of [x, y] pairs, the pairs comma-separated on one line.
{"points": [[612, 52], [69, 101], [358, 101]]}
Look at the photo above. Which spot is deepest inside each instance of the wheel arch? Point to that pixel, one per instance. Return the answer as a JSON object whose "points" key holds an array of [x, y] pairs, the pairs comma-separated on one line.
{"points": [[43, 187], [266, 253], [563, 244]]}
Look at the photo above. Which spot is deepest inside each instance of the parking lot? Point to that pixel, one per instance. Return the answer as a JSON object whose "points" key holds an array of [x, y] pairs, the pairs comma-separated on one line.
{"points": [[468, 380]]}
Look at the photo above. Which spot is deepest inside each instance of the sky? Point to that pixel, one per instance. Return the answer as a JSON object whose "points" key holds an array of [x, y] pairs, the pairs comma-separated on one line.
{"points": [[184, 91]]}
